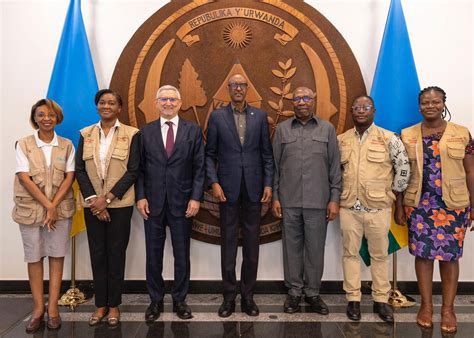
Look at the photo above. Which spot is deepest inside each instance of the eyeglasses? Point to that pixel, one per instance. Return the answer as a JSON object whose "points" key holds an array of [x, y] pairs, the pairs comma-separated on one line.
{"points": [[234, 86], [166, 99], [52, 116], [305, 99], [365, 108]]}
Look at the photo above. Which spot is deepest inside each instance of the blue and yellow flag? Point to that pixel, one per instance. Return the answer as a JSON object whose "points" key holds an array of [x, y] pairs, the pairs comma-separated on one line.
{"points": [[395, 91], [73, 85]]}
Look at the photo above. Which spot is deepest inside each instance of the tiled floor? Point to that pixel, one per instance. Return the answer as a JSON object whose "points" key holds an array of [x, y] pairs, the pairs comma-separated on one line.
{"points": [[272, 322]]}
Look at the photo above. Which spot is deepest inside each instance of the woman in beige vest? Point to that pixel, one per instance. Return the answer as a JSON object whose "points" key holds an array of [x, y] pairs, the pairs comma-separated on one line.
{"points": [[438, 201], [107, 163], [44, 206]]}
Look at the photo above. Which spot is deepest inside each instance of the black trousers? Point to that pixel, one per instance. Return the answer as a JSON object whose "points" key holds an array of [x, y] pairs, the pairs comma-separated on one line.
{"points": [[107, 246], [247, 213], [155, 236]]}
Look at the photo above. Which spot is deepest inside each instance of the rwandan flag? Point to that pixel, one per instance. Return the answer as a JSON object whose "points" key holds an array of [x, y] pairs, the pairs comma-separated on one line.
{"points": [[73, 85], [395, 91]]}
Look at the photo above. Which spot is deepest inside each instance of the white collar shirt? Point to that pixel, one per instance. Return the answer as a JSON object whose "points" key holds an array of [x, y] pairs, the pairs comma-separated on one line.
{"points": [[164, 128], [104, 144]]}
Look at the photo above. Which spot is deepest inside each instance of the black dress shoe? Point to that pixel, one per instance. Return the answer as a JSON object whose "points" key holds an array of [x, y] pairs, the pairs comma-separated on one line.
{"points": [[353, 310], [249, 307], [153, 311], [227, 308], [384, 311], [182, 310], [317, 305], [292, 304]]}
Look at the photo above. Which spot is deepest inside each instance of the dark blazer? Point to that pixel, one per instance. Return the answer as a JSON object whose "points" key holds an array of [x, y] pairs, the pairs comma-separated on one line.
{"points": [[178, 178], [227, 159]]}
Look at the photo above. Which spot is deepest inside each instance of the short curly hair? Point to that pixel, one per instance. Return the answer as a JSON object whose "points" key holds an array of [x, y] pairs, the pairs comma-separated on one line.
{"points": [[52, 106]]}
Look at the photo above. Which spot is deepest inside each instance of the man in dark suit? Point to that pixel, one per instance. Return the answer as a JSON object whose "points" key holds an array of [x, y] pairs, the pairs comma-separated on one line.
{"points": [[168, 192], [239, 166]]}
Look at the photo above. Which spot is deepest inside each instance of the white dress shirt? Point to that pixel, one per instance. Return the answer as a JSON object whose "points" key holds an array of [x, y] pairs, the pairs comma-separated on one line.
{"points": [[104, 144], [164, 128]]}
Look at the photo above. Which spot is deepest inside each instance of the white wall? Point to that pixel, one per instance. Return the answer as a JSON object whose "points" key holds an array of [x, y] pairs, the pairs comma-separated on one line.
{"points": [[441, 33]]}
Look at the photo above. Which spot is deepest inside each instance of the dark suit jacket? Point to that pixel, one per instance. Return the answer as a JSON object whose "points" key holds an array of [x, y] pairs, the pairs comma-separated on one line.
{"points": [[227, 160], [178, 178]]}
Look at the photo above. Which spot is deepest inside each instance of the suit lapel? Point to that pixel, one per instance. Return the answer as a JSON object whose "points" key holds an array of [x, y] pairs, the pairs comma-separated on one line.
{"points": [[159, 138], [249, 125], [229, 119]]}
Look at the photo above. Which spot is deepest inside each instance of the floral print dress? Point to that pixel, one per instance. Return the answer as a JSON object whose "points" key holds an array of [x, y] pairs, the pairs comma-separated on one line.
{"points": [[435, 231]]}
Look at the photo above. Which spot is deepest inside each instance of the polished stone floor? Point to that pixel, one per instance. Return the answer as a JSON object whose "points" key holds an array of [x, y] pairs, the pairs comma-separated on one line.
{"points": [[272, 322]]}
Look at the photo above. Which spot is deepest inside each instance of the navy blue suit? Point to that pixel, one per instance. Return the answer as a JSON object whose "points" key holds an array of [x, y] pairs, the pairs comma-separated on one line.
{"points": [[168, 184], [242, 170]]}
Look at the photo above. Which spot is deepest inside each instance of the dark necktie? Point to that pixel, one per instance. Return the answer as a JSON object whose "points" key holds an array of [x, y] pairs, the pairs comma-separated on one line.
{"points": [[169, 139]]}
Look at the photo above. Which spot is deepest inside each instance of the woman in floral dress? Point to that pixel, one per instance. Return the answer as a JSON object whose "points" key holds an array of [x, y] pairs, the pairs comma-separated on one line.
{"points": [[438, 201]]}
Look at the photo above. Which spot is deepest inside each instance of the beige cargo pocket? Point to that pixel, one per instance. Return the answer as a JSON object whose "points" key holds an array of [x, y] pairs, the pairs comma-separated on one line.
{"points": [[456, 151], [458, 191], [66, 208], [376, 154]]}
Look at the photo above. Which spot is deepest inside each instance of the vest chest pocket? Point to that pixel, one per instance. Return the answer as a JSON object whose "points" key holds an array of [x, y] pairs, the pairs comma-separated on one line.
{"points": [[120, 151], [58, 174], [319, 144], [376, 154], [88, 151], [37, 175], [456, 151]]}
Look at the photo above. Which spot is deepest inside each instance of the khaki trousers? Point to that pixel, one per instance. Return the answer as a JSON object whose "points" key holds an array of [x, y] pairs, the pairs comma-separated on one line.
{"points": [[375, 227]]}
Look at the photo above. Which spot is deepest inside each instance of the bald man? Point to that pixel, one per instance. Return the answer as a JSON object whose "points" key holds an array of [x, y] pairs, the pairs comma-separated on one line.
{"points": [[239, 167]]}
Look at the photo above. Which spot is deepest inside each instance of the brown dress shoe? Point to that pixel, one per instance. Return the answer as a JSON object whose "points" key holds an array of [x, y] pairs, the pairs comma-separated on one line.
{"points": [[448, 320], [54, 323], [34, 324]]}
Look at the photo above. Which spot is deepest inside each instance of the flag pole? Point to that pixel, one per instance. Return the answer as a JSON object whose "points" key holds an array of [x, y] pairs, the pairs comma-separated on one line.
{"points": [[73, 295], [396, 298]]}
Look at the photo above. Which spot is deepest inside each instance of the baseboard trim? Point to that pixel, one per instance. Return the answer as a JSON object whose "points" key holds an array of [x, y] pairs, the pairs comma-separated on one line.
{"points": [[213, 286]]}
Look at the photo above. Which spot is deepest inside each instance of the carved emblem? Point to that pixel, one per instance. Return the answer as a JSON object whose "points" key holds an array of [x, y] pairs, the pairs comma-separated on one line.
{"points": [[197, 45]]}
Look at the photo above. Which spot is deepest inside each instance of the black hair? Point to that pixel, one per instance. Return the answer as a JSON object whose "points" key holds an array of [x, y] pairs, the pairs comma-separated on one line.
{"points": [[102, 92], [367, 97], [446, 111]]}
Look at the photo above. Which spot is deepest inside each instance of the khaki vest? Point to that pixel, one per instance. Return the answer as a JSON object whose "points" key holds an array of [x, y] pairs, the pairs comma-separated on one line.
{"points": [[27, 209], [367, 171], [453, 176], [115, 165]]}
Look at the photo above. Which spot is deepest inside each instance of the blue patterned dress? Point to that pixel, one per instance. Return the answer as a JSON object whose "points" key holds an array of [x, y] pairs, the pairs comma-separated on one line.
{"points": [[435, 231]]}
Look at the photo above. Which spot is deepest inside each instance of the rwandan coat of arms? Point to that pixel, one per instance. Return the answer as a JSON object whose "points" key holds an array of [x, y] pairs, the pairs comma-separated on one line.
{"points": [[197, 45]]}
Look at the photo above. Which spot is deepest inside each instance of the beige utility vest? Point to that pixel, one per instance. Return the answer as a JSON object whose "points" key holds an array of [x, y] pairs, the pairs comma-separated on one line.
{"points": [[452, 148], [367, 172], [115, 165], [27, 209]]}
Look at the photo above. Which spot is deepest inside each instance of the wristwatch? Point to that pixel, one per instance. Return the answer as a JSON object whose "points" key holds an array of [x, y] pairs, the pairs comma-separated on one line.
{"points": [[108, 200]]}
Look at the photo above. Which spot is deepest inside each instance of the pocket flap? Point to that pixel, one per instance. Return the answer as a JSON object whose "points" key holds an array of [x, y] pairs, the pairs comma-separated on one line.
{"points": [[24, 211], [320, 138], [456, 151], [288, 139]]}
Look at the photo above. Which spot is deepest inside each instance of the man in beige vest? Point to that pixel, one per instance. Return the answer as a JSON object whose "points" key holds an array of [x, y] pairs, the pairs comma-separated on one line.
{"points": [[375, 167]]}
